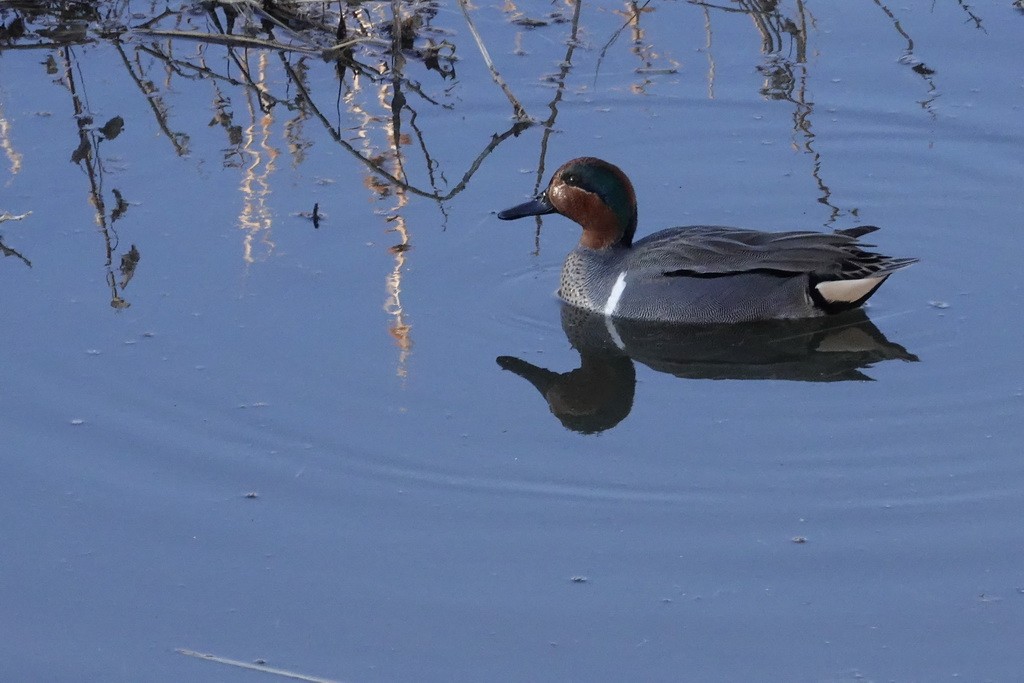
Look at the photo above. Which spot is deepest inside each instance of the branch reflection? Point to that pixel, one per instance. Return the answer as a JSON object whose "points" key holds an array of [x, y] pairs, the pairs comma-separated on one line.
{"points": [[916, 65], [87, 156]]}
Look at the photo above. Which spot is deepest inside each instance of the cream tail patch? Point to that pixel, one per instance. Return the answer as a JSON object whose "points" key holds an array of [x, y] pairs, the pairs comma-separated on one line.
{"points": [[848, 291]]}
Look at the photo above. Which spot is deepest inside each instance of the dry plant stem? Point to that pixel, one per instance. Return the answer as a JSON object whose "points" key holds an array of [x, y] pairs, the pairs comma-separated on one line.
{"points": [[518, 111], [233, 41], [4, 217], [284, 673], [46, 46], [369, 40]]}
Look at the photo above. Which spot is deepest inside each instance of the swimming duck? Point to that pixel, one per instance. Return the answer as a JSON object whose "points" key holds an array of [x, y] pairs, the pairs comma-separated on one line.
{"points": [[700, 273]]}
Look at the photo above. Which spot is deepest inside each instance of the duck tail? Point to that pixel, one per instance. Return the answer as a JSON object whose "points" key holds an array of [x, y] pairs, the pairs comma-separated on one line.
{"points": [[861, 278], [860, 274], [859, 231]]}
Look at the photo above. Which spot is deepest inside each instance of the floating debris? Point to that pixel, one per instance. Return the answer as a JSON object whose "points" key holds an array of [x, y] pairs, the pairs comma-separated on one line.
{"points": [[315, 216], [112, 128], [129, 260]]}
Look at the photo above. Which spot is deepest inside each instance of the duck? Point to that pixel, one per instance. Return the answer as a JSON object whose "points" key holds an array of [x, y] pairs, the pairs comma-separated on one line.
{"points": [[698, 274]]}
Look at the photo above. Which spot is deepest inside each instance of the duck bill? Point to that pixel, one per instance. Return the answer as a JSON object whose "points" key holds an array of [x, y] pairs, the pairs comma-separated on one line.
{"points": [[535, 207]]}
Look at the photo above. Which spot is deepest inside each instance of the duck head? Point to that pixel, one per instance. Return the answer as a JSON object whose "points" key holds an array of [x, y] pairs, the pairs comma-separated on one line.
{"points": [[595, 194]]}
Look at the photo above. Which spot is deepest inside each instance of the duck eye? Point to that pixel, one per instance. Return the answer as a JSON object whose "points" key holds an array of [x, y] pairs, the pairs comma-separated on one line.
{"points": [[571, 178]]}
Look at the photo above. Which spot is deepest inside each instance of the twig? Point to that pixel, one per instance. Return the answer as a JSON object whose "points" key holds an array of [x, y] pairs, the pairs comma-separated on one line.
{"points": [[230, 41], [285, 673], [4, 217], [370, 40], [47, 46]]}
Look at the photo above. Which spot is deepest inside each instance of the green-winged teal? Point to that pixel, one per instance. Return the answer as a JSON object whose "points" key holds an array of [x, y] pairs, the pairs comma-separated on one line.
{"points": [[700, 273]]}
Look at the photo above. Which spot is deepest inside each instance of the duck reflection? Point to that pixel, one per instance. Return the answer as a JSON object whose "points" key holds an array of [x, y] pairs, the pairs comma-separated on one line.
{"points": [[599, 394]]}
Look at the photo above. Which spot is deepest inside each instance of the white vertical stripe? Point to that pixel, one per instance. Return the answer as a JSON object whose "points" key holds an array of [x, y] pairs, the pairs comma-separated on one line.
{"points": [[609, 323], [609, 309], [613, 299]]}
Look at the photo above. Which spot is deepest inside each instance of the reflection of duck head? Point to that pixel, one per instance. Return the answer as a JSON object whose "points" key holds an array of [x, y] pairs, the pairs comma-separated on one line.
{"points": [[599, 394], [592, 398]]}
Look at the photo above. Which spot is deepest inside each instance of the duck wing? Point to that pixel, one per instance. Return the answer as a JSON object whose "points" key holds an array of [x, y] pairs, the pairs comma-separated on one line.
{"points": [[710, 251]]}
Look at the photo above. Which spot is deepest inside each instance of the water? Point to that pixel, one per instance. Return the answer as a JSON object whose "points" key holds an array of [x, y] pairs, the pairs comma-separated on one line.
{"points": [[266, 440]]}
